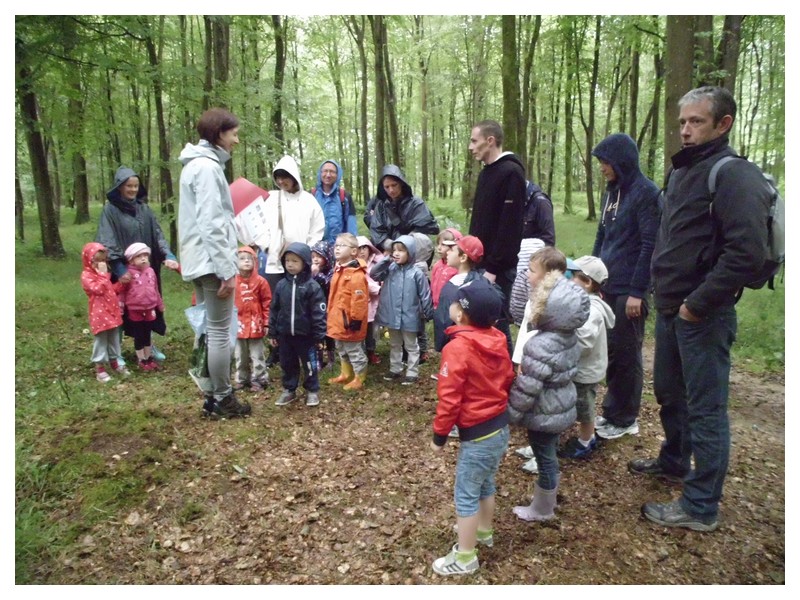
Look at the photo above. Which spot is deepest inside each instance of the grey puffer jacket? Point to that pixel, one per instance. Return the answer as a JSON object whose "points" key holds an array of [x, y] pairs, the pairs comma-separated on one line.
{"points": [[543, 396]]}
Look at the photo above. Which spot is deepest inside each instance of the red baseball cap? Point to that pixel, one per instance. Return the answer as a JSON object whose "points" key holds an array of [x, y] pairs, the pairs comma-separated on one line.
{"points": [[472, 247]]}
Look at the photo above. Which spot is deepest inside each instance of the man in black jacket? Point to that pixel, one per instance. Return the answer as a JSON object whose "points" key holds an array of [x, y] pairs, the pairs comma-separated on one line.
{"points": [[703, 256]]}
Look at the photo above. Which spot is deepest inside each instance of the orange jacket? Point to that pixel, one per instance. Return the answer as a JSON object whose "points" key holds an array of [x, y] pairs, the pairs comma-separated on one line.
{"points": [[348, 302]]}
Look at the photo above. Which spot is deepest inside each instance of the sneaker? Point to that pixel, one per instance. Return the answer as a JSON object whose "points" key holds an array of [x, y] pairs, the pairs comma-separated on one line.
{"points": [[208, 407], [256, 387], [229, 407], [435, 376], [672, 514], [102, 376], [148, 364], [531, 466], [485, 538], [120, 368], [450, 565], [600, 421], [392, 376], [409, 381], [312, 399], [612, 432], [286, 397], [454, 432], [575, 449], [373, 358], [121, 361], [525, 452], [239, 386], [651, 466], [157, 354]]}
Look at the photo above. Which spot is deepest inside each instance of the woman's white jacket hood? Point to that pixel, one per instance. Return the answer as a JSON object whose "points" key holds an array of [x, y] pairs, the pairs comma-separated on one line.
{"points": [[291, 217]]}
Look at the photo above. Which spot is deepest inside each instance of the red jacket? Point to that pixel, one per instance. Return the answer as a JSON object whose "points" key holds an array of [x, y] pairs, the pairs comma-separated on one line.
{"points": [[474, 379], [253, 298], [348, 302], [440, 274], [104, 311]]}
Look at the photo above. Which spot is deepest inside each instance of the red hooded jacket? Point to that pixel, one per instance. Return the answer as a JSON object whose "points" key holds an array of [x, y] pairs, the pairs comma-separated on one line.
{"points": [[253, 298], [104, 311]]}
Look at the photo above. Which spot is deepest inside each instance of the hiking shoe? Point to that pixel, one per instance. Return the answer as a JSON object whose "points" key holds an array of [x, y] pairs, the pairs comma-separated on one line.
{"points": [[525, 452], [409, 381], [312, 399], [392, 376], [157, 354], [575, 449], [101, 375], [600, 421], [454, 432], [208, 407], [612, 432], [485, 538], [229, 407], [450, 565], [148, 364], [651, 467], [120, 368], [286, 397], [531, 466], [672, 514]]}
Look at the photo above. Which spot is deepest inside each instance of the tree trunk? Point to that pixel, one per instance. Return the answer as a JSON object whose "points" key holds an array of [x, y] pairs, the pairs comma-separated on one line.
{"points": [[728, 51], [26, 97], [705, 64], [633, 98], [510, 75], [357, 27], [419, 36], [19, 203], [276, 119], [529, 92], [390, 97], [380, 96], [677, 78], [208, 82]]}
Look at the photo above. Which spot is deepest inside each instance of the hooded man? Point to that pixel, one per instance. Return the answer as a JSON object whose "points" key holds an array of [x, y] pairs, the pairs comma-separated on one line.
{"points": [[337, 204]]}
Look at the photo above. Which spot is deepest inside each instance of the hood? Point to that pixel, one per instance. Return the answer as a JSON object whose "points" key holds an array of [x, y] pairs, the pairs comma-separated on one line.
{"points": [[88, 252], [507, 156], [604, 309], [339, 177], [303, 251], [325, 248], [488, 345], [249, 250], [424, 250], [411, 246], [365, 241], [203, 149], [620, 151], [395, 172], [288, 164], [558, 304], [121, 176]]}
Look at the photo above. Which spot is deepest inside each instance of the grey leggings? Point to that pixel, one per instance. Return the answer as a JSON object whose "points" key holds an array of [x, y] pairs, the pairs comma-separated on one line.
{"points": [[218, 333]]}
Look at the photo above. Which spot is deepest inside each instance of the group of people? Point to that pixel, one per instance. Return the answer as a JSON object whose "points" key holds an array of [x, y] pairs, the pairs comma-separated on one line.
{"points": [[582, 321]]}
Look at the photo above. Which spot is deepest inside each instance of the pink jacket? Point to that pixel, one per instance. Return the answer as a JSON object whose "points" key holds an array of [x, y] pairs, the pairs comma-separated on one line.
{"points": [[440, 274], [141, 292]]}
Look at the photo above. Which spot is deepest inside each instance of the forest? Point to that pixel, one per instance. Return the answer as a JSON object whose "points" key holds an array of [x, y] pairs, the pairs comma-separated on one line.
{"points": [[94, 92]]}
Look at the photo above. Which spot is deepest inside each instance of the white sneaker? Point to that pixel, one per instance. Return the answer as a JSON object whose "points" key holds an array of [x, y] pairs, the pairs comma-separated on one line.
{"points": [[525, 452], [600, 421], [612, 432], [531, 466], [450, 565]]}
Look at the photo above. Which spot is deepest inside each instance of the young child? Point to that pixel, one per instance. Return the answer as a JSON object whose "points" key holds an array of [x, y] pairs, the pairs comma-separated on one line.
{"points": [[441, 272], [348, 311], [594, 355], [105, 317], [542, 398], [405, 295], [474, 380], [297, 324], [422, 260], [371, 256], [253, 298], [322, 271], [141, 299]]}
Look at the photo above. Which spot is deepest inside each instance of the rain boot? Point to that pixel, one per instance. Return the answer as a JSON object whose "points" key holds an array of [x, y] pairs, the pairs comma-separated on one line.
{"points": [[345, 376], [358, 381], [541, 507]]}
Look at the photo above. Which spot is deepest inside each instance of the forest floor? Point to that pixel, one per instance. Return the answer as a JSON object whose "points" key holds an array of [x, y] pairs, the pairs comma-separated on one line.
{"points": [[349, 493]]}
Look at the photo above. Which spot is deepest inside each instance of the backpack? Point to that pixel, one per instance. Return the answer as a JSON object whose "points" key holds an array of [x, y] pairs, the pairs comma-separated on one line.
{"points": [[776, 226], [533, 195]]}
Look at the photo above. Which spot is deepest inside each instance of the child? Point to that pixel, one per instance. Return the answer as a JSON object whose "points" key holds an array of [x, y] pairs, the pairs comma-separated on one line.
{"points": [[542, 398], [422, 260], [441, 271], [405, 295], [105, 316], [141, 299], [371, 256], [594, 355], [252, 299], [322, 271], [474, 380], [348, 311], [297, 324]]}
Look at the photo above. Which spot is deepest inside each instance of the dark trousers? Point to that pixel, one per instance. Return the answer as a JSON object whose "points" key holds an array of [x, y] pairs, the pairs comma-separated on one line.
{"points": [[624, 375], [691, 373], [505, 280], [296, 352], [142, 333], [544, 446]]}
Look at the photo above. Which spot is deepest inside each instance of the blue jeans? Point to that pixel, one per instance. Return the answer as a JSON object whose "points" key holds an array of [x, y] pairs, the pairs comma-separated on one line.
{"points": [[477, 464], [544, 446], [690, 378], [625, 373]]}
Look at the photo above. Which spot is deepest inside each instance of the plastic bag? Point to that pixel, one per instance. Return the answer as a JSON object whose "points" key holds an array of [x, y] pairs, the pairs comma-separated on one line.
{"points": [[198, 361]]}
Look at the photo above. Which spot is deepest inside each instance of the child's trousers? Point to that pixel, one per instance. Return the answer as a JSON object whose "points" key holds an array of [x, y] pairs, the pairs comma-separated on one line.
{"points": [[397, 339], [296, 352], [106, 346], [251, 367]]}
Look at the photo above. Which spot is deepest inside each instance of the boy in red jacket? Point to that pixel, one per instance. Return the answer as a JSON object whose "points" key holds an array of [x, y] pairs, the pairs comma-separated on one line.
{"points": [[474, 380], [252, 300], [105, 316]]}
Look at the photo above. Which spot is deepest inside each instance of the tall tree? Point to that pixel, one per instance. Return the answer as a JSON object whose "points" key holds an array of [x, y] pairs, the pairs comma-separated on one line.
{"points": [[677, 78], [356, 25], [276, 120], [512, 119]]}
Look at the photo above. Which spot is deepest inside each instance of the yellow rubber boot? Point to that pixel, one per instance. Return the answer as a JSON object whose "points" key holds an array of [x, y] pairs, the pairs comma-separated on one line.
{"points": [[345, 376], [358, 381]]}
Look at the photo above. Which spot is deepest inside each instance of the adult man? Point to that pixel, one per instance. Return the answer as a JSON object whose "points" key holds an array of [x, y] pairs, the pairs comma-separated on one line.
{"points": [[498, 207], [397, 211], [624, 242], [704, 254], [337, 204]]}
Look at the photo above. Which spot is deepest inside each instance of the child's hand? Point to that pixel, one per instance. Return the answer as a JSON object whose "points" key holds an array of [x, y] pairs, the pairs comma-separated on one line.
{"points": [[436, 448], [273, 342], [101, 267]]}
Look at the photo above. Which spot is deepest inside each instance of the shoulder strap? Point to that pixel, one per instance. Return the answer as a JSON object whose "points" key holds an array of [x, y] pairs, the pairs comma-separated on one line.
{"points": [[712, 175]]}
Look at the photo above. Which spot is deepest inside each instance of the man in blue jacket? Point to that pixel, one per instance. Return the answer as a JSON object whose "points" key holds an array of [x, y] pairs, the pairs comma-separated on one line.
{"points": [[337, 204], [625, 238]]}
